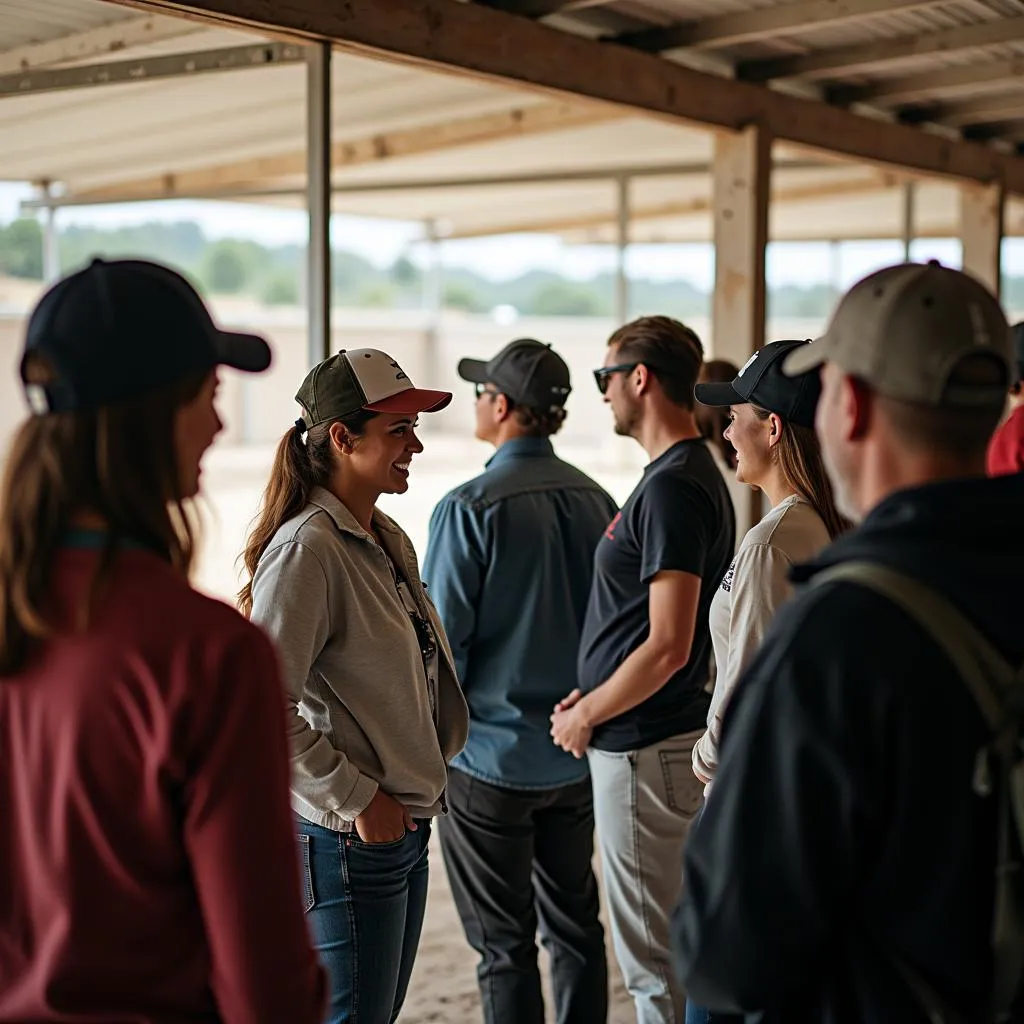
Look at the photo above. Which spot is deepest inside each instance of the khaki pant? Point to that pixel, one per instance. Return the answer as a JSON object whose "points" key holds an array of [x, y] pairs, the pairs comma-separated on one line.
{"points": [[644, 802]]}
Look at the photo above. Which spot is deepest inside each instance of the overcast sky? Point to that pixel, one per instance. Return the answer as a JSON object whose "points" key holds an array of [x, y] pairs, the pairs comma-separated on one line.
{"points": [[382, 241]]}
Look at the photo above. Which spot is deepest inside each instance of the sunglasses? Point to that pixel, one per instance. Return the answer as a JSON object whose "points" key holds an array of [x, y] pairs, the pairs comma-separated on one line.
{"points": [[603, 376], [483, 389]]}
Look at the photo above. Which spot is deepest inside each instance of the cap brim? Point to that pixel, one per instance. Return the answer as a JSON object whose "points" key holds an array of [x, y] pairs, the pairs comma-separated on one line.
{"points": [[718, 394], [412, 401], [806, 357], [473, 370], [247, 352]]}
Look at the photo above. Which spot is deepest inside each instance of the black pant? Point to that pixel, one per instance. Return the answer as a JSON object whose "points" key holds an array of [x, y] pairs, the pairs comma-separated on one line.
{"points": [[514, 856]]}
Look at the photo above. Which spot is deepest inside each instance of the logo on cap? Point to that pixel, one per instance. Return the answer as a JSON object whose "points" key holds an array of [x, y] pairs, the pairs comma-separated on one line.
{"points": [[746, 365], [981, 335], [38, 400]]}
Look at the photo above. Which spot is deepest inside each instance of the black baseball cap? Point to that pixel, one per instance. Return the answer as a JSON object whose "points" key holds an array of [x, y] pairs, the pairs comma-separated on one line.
{"points": [[528, 371], [762, 382], [121, 329]]}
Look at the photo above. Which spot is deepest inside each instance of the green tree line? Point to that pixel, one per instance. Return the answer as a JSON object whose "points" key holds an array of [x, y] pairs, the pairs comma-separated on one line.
{"points": [[274, 275]]}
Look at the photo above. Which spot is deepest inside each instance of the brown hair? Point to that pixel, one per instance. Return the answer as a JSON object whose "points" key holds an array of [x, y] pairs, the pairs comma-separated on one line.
{"points": [[712, 420], [669, 349], [538, 422], [963, 433], [802, 465], [298, 468], [118, 463]]}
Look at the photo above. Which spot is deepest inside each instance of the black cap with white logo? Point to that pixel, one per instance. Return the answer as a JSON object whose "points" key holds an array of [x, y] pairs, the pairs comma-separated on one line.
{"points": [[762, 382]]}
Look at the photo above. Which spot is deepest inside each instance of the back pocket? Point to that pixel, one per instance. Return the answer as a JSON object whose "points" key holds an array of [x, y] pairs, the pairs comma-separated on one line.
{"points": [[306, 874]]}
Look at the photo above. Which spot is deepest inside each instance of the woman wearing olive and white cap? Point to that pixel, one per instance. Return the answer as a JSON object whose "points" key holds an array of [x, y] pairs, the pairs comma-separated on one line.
{"points": [[375, 711]]}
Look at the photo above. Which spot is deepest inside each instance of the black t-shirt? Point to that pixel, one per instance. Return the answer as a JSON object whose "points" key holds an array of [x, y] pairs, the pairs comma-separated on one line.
{"points": [[679, 517]]}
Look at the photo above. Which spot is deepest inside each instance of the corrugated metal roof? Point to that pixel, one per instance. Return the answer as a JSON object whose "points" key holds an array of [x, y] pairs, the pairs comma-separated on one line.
{"points": [[922, 37], [41, 21], [200, 127]]}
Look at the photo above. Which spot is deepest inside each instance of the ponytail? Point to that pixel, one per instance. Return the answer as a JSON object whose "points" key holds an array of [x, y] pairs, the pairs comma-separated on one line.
{"points": [[299, 467], [117, 463]]}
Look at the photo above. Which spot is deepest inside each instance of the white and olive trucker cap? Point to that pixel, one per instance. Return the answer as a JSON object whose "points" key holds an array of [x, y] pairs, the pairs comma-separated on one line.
{"points": [[362, 378], [905, 329]]}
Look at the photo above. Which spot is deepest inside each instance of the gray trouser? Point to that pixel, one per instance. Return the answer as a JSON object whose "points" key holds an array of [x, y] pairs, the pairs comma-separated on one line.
{"points": [[644, 802]]}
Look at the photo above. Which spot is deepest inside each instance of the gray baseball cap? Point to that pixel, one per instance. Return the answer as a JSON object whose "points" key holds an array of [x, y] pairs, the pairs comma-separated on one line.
{"points": [[905, 329], [362, 378]]}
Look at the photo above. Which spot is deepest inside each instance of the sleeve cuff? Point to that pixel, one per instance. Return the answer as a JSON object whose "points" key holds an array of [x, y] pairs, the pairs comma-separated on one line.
{"points": [[359, 799], [705, 756]]}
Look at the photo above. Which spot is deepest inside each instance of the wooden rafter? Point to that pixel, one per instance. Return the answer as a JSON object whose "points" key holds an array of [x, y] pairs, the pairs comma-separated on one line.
{"points": [[681, 208], [472, 39], [520, 121]]}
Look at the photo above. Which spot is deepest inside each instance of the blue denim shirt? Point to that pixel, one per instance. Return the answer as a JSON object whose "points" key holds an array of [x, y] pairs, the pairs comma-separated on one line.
{"points": [[509, 565]]}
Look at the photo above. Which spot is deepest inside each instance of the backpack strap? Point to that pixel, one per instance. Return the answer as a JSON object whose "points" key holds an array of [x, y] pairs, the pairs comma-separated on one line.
{"points": [[987, 673], [998, 690]]}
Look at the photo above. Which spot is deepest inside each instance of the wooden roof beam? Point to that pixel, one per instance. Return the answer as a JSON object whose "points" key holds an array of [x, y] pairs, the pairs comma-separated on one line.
{"points": [[471, 39], [541, 8], [928, 84], [684, 208], [844, 59], [1000, 107], [118, 37], [763, 23], [430, 138]]}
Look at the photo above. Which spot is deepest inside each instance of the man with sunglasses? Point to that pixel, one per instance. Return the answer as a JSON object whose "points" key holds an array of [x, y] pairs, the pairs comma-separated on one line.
{"points": [[509, 565], [644, 653]]}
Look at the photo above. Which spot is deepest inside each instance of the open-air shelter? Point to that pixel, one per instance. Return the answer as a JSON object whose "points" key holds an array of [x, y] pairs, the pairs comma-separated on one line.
{"points": [[724, 121], [729, 121]]}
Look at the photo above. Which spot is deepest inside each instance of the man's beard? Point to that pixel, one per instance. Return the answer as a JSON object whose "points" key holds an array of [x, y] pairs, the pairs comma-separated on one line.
{"points": [[626, 422]]}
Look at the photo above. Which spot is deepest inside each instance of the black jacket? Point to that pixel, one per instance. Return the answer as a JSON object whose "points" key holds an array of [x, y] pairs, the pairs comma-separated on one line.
{"points": [[842, 824]]}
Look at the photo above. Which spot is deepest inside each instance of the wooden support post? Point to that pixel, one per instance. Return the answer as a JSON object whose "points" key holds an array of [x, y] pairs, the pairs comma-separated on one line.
{"points": [[981, 232], [740, 182]]}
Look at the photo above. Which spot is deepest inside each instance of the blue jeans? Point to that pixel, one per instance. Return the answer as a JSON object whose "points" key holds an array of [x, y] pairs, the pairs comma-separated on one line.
{"points": [[364, 904]]}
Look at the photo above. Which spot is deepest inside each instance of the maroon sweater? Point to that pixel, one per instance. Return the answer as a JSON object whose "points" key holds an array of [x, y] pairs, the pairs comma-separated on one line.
{"points": [[148, 867]]}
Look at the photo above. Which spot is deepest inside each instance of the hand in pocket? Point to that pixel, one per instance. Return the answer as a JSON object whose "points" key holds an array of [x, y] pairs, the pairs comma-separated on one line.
{"points": [[385, 820]]}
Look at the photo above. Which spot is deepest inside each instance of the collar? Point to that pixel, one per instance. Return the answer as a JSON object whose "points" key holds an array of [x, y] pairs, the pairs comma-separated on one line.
{"points": [[521, 448], [343, 518], [674, 449]]}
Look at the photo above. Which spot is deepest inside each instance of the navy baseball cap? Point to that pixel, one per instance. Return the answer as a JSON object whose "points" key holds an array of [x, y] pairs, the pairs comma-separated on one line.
{"points": [[119, 330], [526, 370], [762, 382]]}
